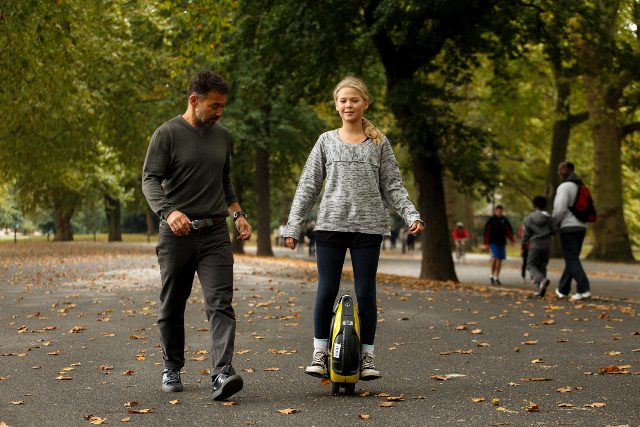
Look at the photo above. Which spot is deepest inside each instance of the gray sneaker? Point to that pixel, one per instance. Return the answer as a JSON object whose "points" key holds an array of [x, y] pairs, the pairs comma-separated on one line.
{"points": [[368, 372], [171, 380], [318, 367]]}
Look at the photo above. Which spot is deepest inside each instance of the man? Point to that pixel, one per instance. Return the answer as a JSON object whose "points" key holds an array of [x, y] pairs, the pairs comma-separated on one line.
{"points": [[186, 182], [496, 231], [460, 237], [572, 232]]}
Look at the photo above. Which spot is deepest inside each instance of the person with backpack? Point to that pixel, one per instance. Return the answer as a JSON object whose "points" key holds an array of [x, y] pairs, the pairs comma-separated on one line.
{"points": [[572, 208]]}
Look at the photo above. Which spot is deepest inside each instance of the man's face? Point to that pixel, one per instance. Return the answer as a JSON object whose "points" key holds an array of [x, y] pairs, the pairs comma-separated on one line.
{"points": [[563, 172], [498, 211], [209, 108]]}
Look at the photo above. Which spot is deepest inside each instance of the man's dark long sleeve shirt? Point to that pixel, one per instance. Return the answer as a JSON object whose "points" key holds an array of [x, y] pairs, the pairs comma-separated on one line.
{"points": [[188, 169]]}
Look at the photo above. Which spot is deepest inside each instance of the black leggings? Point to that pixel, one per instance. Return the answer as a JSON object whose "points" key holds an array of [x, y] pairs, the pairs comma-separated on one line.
{"points": [[365, 265]]}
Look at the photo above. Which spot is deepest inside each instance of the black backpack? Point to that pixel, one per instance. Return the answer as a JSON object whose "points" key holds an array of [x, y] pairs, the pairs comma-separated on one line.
{"points": [[583, 208]]}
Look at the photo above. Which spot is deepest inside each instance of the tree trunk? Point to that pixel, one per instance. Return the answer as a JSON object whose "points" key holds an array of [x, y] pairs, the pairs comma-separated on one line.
{"points": [[62, 222], [437, 262], [459, 208], [559, 144], [263, 201], [113, 211], [151, 229], [611, 238]]}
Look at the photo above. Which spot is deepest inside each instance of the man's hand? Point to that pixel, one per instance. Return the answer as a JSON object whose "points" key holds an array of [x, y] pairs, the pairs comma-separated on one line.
{"points": [[243, 228], [290, 242], [416, 227], [179, 223]]}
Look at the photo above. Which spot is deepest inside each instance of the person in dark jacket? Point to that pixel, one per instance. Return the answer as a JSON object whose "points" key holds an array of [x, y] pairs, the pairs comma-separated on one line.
{"points": [[496, 232], [538, 229]]}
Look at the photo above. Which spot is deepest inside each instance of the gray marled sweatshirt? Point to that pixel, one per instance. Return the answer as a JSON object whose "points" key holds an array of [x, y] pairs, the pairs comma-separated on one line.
{"points": [[362, 182]]}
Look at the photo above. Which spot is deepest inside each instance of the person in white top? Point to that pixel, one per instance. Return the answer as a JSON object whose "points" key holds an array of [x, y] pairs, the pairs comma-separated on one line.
{"points": [[572, 232]]}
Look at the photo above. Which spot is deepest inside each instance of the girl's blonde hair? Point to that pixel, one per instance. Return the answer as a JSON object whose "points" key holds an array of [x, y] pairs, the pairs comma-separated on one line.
{"points": [[353, 82]]}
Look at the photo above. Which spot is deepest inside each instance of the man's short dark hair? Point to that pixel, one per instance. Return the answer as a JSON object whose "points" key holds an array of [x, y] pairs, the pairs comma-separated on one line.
{"points": [[499, 207], [207, 81], [567, 165], [539, 202]]}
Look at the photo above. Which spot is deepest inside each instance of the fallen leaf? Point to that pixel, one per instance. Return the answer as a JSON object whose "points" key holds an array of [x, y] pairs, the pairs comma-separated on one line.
{"points": [[288, 411], [524, 380], [17, 402], [174, 402], [243, 352], [502, 409], [96, 420], [250, 370], [364, 394], [140, 411], [383, 395], [325, 381], [364, 416], [566, 389], [595, 405], [549, 322], [495, 401], [613, 353], [614, 370], [77, 329], [532, 407], [483, 344], [476, 331], [531, 342], [128, 373], [477, 399], [63, 378], [461, 328], [126, 420], [566, 405], [131, 404], [230, 403], [271, 369], [105, 367], [537, 361], [387, 404], [199, 358], [54, 353], [395, 398], [439, 378]]}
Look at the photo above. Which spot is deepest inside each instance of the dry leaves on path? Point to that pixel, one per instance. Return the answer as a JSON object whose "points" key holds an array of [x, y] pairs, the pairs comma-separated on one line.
{"points": [[364, 416], [532, 407], [288, 411], [140, 411], [595, 405]]}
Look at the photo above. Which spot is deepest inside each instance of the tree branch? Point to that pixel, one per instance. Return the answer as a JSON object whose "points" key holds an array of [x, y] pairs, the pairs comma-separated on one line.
{"points": [[576, 119]]}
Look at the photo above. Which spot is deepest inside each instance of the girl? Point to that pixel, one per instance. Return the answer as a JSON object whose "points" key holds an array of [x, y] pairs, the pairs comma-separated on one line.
{"points": [[362, 180]]}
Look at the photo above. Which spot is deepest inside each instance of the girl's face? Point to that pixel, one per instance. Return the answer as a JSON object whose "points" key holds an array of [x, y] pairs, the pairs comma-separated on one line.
{"points": [[350, 105]]}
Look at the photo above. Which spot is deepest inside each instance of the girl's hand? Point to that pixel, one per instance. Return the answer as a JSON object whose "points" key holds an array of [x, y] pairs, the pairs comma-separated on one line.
{"points": [[290, 242], [416, 227]]}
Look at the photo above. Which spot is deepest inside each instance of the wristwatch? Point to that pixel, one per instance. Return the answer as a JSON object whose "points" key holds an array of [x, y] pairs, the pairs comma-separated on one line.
{"points": [[236, 214]]}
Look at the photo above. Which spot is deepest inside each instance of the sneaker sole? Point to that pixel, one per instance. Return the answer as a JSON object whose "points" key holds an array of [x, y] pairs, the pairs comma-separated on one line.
{"points": [[172, 388], [543, 289], [316, 374], [370, 377], [231, 386]]}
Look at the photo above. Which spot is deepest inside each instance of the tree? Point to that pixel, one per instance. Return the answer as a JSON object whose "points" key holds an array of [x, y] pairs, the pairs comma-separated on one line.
{"points": [[424, 48], [609, 51]]}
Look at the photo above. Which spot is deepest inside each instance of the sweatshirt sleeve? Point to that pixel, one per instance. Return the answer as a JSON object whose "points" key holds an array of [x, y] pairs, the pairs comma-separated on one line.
{"points": [[154, 170], [391, 188], [561, 203], [227, 185], [309, 188]]}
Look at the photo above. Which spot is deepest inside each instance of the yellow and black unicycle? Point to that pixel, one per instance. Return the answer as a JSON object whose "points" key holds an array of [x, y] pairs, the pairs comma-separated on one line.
{"points": [[344, 349]]}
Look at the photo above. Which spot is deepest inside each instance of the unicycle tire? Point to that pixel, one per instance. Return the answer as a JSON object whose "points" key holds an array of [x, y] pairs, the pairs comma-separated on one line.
{"points": [[349, 388], [335, 388]]}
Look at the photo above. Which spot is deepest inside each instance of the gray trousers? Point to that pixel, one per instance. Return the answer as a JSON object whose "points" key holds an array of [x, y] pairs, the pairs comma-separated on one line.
{"points": [[206, 251], [537, 261], [571, 243]]}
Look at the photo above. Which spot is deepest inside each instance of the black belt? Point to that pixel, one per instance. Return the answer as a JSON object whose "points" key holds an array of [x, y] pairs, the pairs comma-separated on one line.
{"points": [[197, 224]]}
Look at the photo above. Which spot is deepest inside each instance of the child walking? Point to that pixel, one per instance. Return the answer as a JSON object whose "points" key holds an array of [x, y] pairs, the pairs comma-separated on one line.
{"points": [[538, 229], [362, 180]]}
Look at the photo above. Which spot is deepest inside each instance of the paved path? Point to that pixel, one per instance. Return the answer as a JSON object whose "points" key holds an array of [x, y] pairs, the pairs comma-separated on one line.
{"points": [[614, 280], [78, 340]]}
